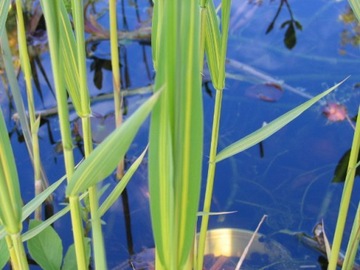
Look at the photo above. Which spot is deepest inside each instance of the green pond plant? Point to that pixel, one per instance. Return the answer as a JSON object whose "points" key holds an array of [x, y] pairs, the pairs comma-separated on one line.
{"points": [[184, 34]]}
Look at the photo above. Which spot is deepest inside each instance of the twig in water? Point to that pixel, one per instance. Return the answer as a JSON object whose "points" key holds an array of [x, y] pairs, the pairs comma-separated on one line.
{"points": [[246, 250]]}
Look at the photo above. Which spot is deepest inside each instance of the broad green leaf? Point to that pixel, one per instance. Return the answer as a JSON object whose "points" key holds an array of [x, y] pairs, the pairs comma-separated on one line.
{"points": [[4, 253], [4, 8], [188, 133], [269, 129], [114, 195], [104, 159], [46, 248], [176, 133], [70, 257]]}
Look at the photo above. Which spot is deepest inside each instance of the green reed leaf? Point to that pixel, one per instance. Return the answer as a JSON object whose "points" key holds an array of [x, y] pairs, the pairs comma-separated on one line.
{"points": [[38, 229], [30, 207], [212, 42], [116, 192], [175, 153], [269, 129], [104, 159], [355, 6], [69, 56], [4, 8], [10, 198]]}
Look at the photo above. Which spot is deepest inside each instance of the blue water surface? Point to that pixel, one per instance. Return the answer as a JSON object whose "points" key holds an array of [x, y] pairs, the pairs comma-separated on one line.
{"points": [[291, 182]]}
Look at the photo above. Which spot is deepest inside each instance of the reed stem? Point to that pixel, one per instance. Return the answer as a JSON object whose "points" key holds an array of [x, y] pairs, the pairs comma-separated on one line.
{"points": [[346, 196], [98, 242], [51, 12], [210, 178], [116, 75], [34, 125]]}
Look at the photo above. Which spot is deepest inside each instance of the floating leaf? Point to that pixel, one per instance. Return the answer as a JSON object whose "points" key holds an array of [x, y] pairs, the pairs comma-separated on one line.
{"points": [[298, 25], [341, 168], [285, 23], [290, 37]]}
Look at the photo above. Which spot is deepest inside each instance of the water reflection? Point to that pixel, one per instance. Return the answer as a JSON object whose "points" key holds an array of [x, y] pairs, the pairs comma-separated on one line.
{"points": [[291, 183]]}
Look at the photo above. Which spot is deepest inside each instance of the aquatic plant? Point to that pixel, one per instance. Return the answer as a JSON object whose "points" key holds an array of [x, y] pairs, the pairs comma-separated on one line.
{"points": [[183, 33]]}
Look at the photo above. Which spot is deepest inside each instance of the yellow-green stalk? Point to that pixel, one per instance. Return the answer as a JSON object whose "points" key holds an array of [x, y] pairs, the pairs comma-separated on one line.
{"points": [[34, 123], [215, 46], [51, 11], [346, 196], [98, 242], [116, 75], [10, 199]]}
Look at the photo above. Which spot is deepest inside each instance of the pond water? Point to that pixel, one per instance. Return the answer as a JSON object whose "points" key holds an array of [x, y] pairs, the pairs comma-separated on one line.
{"points": [[289, 179]]}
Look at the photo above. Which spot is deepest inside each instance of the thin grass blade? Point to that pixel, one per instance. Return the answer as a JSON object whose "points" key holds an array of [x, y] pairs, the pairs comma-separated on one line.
{"points": [[69, 56], [38, 229], [212, 42], [269, 129], [30, 207], [114, 195]]}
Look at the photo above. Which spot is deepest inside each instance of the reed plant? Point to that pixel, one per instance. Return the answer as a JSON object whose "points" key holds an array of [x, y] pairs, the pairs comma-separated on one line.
{"points": [[184, 33]]}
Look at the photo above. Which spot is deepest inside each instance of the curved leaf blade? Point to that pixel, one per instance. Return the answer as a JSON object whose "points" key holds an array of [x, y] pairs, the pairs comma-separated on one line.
{"points": [[266, 131], [104, 159]]}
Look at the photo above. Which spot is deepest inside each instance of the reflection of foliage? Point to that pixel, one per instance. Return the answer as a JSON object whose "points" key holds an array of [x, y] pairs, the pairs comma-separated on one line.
{"points": [[291, 25], [351, 34]]}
